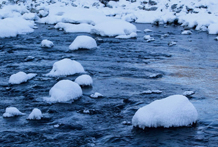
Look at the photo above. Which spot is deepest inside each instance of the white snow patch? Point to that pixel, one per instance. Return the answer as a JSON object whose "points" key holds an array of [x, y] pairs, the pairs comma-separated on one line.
{"points": [[113, 28], [173, 111], [64, 91], [12, 112], [83, 42], [152, 92], [66, 67], [147, 30], [47, 43], [132, 35], [188, 93], [186, 32], [74, 28], [36, 114], [96, 95], [84, 80], [20, 77]]}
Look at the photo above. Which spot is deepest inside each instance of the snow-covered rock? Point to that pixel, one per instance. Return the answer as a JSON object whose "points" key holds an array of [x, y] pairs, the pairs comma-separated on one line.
{"points": [[152, 92], [74, 28], [113, 28], [36, 114], [12, 112], [47, 43], [64, 91], [146, 37], [83, 42], [66, 67], [20, 77], [96, 95], [147, 30], [188, 93], [173, 111], [84, 80], [132, 35], [172, 43], [186, 32], [216, 38]]}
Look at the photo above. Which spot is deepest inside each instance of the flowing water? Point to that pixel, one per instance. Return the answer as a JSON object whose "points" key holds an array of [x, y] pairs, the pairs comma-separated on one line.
{"points": [[121, 71]]}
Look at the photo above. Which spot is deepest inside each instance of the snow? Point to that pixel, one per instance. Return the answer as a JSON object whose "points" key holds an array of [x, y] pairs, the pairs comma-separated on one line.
{"points": [[173, 111], [146, 37], [186, 32], [74, 28], [113, 28], [132, 35], [66, 67], [96, 95], [12, 112], [20, 77], [147, 30], [84, 80], [83, 42], [216, 38], [172, 43], [152, 92], [188, 93], [47, 43], [11, 27], [36, 114], [64, 91]]}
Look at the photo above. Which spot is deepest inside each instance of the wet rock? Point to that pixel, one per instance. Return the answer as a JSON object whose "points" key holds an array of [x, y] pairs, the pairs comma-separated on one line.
{"points": [[71, 126], [152, 2], [89, 111], [174, 6]]}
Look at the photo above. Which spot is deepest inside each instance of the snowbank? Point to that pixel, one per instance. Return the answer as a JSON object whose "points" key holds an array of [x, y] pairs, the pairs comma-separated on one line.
{"points": [[84, 80], [36, 114], [47, 43], [20, 77], [83, 42], [66, 67], [74, 28], [114, 28], [63, 91], [173, 111], [11, 27], [12, 112]]}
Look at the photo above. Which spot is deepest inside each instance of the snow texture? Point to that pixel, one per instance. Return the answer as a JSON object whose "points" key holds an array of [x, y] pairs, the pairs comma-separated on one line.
{"points": [[173, 111], [84, 80], [36, 114], [96, 95], [12, 112], [20, 77], [47, 43], [66, 67], [63, 91], [83, 42]]}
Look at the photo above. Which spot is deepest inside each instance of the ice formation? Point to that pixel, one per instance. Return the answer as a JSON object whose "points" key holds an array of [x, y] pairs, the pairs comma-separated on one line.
{"points": [[36, 114], [66, 67], [47, 43], [64, 91], [84, 80], [173, 111], [83, 42], [12, 112], [20, 77]]}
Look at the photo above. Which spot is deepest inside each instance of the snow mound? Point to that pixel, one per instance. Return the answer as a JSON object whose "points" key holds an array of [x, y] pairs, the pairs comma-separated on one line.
{"points": [[114, 28], [66, 67], [36, 114], [73, 28], [147, 30], [83, 42], [84, 80], [63, 91], [11, 27], [96, 95], [47, 43], [187, 32], [20, 77], [173, 111], [12, 112], [132, 35]]}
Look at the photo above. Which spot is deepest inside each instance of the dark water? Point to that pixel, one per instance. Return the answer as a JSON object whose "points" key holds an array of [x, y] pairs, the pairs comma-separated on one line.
{"points": [[121, 70]]}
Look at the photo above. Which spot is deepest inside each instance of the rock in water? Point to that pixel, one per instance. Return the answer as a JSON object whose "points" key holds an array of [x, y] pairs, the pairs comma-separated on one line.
{"points": [[64, 91], [173, 111], [36, 114], [83, 42], [66, 67]]}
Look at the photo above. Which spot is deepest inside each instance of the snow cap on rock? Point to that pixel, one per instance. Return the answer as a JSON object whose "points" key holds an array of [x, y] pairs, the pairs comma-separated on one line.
{"points": [[47, 43], [83, 42], [12, 112], [173, 111], [20, 77], [64, 91], [36, 114], [66, 67], [84, 80]]}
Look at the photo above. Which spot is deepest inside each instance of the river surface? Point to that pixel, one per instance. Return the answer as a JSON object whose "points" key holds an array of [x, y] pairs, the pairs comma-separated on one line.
{"points": [[121, 71]]}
